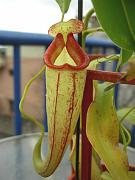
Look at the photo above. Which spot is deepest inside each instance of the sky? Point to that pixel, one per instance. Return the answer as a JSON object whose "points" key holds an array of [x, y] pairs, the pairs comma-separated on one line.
{"points": [[34, 15]]}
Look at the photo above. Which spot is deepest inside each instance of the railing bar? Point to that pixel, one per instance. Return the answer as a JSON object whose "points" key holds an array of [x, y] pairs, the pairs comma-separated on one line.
{"points": [[132, 136], [90, 49], [11, 37], [117, 87], [103, 65], [17, 90]]}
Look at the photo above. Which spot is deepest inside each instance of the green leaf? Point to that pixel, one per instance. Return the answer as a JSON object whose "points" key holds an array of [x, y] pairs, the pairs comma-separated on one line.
{"points": [[102, 130], [130, 116], [117, 18], [64, 5], [124, 56]]}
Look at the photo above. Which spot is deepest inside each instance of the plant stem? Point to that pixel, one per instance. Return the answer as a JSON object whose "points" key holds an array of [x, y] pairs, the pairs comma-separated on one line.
{"points": [[62, 18], [86, 22], [87, 17], [89, 32], [92, 30], [113, 85], [109, 76]]}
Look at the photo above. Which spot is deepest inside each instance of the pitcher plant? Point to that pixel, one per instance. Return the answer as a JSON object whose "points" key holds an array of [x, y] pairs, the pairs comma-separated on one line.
{"points": [[65, 66]]}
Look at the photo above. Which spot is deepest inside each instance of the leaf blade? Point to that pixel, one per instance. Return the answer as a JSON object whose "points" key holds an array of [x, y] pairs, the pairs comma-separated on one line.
{"points": [[116, 18], [64, 5], [103, 133]]}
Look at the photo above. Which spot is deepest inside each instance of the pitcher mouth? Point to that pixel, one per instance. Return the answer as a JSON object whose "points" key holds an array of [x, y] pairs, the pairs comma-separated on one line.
{"points": [[76, 53]]}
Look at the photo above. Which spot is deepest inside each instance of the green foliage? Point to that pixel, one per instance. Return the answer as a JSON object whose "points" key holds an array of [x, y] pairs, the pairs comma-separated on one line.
{"points": [[124, 56], [104, 124], [87, 18], [64, 5], [117, 19], [128, 114], [102, 130]]}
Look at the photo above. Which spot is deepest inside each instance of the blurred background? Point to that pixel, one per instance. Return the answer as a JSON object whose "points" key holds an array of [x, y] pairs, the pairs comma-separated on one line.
{"points": [[23, 40]]}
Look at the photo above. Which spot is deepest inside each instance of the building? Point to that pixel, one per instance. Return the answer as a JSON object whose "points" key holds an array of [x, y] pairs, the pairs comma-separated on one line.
{"points": [[31, 62]]}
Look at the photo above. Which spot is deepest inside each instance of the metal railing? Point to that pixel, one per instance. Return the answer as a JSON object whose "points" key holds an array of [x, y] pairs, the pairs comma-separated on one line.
{"points": [[16, 39]]}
